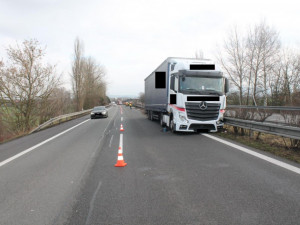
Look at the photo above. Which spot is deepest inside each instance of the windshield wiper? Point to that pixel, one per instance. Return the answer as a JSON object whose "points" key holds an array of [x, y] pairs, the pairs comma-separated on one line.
{"points": [[190, 91]]}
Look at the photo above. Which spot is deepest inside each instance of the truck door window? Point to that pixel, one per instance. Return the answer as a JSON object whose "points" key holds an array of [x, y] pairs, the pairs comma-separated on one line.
{"points": [[172, 67]]}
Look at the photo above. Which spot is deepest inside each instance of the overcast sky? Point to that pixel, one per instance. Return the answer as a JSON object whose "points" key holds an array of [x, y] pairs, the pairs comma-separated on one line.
{"points": [[132, 37]]}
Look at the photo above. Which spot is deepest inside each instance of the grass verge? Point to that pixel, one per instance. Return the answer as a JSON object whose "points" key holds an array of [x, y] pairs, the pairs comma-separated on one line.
{"points": [[269, 143]]}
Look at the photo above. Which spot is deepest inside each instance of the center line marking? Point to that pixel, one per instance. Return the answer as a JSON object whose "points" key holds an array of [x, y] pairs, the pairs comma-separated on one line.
{"points": [[121, 141], [111, 140]]}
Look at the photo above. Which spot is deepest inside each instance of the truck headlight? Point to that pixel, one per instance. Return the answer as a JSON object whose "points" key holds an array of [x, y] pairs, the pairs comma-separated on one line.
{"points": [[182, 117], [103, 113], [92, 113], [222, 112]]}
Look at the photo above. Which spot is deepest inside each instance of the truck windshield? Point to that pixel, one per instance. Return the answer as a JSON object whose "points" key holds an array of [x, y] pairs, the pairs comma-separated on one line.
{"points": [[99, 108], [201, 85]]}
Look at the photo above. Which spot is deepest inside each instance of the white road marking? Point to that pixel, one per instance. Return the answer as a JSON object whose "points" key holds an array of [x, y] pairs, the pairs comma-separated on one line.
{"points": [[261, 156], [38, 145], [111, 140], [122, 118], [92, 203], [121, 141]]}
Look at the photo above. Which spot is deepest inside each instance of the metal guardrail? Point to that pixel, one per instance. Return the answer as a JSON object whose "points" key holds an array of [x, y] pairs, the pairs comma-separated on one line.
{"points": [[141, 106], [62, 118], [280, 130], [289, 108], [272, 127]]}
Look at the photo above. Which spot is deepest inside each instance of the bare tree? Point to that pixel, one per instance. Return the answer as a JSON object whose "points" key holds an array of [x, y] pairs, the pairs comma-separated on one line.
{"points": [[88, 80], [58, 103], [77, 74], [24, 82], [232, 57], [94, 83], [289, 72], [263, 46]]}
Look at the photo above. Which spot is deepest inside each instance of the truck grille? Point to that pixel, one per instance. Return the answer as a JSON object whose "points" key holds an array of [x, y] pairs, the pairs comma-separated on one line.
{"points": [[195, 113]]}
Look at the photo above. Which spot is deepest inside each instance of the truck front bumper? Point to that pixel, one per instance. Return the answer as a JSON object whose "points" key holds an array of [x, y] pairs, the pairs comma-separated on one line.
{"points": [[194, 125]]}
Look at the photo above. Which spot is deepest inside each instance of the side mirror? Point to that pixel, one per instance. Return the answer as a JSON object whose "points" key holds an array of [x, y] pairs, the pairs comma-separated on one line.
{"points": [[226, 85]]}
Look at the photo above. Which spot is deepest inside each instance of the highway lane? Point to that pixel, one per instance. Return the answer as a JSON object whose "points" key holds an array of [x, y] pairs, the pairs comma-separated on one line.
{"points": [[14, 147], [169, 179], [40, 186], [182, 179]]}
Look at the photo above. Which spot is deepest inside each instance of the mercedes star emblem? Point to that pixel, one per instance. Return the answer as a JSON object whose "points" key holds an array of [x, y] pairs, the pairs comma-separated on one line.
{"points": [[203, 105]]}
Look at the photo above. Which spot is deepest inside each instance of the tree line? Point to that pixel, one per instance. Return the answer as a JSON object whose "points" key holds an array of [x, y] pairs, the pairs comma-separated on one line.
{"points": [[88, 80], [31, 91], [261, 70]]}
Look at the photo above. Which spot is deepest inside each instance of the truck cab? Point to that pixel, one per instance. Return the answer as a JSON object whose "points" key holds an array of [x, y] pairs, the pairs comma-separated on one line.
{"points": [[196, 95]]}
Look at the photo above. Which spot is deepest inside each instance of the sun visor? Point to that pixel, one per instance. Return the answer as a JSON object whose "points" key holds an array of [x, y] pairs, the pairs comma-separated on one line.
{"points": [[210, 73]]}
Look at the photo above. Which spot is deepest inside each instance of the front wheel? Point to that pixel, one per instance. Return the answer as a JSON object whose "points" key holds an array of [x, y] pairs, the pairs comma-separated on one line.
{"points": [[172, 125]]}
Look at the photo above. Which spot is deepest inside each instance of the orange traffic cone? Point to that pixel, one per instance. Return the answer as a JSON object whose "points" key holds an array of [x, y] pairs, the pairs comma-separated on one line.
{"points": [[121, 129], [120, 161]]}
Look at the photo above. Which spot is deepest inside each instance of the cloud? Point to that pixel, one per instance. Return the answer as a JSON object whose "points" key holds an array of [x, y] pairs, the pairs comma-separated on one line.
{"points": [[131, 38]]}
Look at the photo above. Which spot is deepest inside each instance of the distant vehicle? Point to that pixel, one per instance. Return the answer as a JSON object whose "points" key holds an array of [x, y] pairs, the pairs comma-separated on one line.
{"points": [[99, 111], [187, 95]]}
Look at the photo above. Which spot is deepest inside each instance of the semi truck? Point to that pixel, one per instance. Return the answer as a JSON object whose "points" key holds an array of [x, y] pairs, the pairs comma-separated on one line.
{"points": [[187, 95]]}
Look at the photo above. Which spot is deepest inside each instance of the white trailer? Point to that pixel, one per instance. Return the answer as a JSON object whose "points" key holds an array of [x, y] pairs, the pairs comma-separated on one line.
{"points": [[187, 95]]}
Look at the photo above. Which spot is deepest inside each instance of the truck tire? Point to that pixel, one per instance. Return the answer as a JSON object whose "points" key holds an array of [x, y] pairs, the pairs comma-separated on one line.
{"points": [[172, 125], [150, 115]]}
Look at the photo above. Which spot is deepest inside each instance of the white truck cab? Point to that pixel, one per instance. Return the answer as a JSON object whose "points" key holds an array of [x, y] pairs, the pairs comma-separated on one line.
{"points": [[193, 97]]}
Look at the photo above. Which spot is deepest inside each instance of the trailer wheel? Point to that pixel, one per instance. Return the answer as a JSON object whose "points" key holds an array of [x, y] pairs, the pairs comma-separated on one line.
{"points": [[150, 115]]}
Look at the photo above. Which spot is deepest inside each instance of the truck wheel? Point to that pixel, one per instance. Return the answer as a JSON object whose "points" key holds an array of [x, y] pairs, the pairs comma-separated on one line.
{"points": [[151, 115], [148, 115], [172, 125]]}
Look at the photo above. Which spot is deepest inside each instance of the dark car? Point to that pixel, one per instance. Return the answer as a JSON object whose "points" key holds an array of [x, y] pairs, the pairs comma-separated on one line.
{"points": [[99, 111]]}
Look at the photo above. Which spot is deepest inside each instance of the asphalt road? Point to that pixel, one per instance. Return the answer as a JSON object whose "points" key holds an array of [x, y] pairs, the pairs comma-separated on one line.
{"points": [[169, 178]]}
